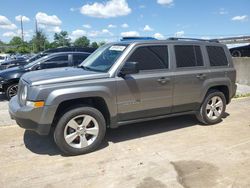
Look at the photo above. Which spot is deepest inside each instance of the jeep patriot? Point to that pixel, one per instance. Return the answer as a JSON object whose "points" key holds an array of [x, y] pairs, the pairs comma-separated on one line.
{"points": [[122, 83]]}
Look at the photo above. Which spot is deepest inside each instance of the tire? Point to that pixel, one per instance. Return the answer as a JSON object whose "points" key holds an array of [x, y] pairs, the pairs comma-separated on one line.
{"points": [[236, 53], [11, 91], [83, 140], [212, 108]]}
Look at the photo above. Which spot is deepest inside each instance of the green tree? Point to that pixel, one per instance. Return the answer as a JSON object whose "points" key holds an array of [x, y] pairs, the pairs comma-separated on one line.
{"points": [[94, 45], [2, 46], [16, 41], [82, 42], [39, 41], [62, 39]]}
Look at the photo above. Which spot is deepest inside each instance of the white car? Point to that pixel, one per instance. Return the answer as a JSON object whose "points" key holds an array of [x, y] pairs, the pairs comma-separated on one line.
{"points": [[4, 57]]}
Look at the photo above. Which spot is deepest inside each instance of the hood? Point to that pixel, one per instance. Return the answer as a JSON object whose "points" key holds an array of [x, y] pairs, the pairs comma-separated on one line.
{"points": [[11, 71], [59, 75]]}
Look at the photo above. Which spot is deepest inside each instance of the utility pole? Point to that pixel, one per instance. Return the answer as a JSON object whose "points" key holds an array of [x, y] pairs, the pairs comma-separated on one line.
{"points": [[36, 26], [22, 28]]}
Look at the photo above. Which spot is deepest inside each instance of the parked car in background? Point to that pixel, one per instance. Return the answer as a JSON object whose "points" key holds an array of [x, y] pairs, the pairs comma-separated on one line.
{"points": [[21, 60], [9, 78], [124, 83], [241, 51], [4, 57]]}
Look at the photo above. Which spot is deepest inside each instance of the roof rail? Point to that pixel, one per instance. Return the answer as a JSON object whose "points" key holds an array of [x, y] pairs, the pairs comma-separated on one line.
{"points": [[137, 38], [194, 39]]}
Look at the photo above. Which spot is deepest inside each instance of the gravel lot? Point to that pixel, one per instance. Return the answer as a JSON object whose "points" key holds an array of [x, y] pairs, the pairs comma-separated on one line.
{"points": [[174, 152]]}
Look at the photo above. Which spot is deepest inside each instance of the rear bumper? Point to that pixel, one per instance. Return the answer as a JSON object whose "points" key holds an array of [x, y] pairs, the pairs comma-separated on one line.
{"points": [[35, 119]]}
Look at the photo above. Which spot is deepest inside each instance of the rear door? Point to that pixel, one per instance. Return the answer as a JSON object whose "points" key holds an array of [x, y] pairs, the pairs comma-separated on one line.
{"points": [[149, 92], [190, 74]]}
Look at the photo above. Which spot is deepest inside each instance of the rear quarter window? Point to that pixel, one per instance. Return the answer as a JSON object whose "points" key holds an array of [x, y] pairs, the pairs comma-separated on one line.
{"points": [[217, 56]]}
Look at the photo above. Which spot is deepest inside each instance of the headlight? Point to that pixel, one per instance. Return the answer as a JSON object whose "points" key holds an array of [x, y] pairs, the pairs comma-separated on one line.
{"points": [[1, 79], [24, 93]]}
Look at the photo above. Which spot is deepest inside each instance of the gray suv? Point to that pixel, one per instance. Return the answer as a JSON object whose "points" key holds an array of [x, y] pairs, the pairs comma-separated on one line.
{"points": [[123, 83]]}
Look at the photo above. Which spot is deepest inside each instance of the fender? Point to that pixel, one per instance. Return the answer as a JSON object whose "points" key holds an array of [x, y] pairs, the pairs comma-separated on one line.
{"points": [[60, 95], [213, 82]]}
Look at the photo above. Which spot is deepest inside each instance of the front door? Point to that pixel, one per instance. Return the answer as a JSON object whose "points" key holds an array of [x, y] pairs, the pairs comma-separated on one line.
{"points": [[149, 92]]}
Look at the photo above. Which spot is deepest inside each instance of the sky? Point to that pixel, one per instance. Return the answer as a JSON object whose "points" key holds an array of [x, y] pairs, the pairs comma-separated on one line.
{"points": [[109, 20]]}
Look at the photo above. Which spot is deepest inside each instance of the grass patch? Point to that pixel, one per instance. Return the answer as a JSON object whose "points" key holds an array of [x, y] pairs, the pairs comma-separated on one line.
{"points": [[241, 95]]}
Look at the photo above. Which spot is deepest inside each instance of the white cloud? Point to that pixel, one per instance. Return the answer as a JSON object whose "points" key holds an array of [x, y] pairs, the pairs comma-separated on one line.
{"points": [[5, 23], [130, 34], [53, 29], [49, 22], [24, 18], [223, 11], [106, 31], [159, 36], [112, 26], [103, 32], [109, 9], [9, 27], [240, 18], [147, 28], [179, 34], [124, 25], [4, 20], [44, 19], [87, 26], [165, 2], [10, 34], [77, 33]]}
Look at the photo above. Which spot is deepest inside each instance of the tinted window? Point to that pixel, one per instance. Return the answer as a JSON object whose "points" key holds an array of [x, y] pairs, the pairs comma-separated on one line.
{"points": [[188, 56], [79, 58], [217, 56], [150, 57], [59, 58]]}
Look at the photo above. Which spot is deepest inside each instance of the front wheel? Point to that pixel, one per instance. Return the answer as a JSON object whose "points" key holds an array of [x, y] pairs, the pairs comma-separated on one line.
{"points": [[11, 91], [80, 130], [212, 108]]}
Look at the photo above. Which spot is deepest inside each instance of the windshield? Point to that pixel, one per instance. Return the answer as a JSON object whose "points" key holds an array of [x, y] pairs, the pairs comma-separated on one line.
{"points": [[29, 65], [104, 57], [35, 57]]}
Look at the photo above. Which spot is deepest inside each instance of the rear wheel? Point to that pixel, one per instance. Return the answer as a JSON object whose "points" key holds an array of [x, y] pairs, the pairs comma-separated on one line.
{"points": [[11, 91], [236, 53], [212, 108], [80, 130]]}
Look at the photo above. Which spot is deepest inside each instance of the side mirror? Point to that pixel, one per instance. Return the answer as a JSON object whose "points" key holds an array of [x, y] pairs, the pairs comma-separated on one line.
{"points": [[129, 68]]}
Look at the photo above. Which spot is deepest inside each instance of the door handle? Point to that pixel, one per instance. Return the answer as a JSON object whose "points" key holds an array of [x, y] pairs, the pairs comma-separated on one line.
{"points": [[201, 76], [163, 80]]}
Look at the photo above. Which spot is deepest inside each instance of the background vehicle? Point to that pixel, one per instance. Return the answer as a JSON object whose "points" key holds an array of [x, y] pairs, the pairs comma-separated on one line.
{"points": [[4, 57], [123, 83], [9, 78], [20, 61], [241, 51]]}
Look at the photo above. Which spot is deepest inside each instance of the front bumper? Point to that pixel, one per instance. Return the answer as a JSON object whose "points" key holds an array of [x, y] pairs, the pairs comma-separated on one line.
{"points": [[35, 119]]}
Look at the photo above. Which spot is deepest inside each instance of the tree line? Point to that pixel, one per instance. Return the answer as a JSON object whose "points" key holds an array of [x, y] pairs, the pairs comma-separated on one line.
{"points": [[40, 42]]}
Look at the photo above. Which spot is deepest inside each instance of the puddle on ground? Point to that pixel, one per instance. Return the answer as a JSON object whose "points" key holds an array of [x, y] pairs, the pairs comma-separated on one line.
{"points": [[192, 174]]}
